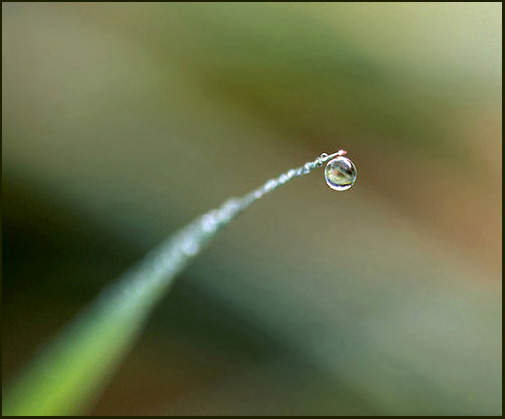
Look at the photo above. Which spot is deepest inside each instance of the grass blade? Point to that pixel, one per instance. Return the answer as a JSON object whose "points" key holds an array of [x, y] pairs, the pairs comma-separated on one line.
{"points": [[73, 369]]}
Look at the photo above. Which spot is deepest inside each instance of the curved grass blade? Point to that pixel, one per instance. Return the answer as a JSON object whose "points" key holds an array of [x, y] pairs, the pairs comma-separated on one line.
{"points": [[73, 369]]}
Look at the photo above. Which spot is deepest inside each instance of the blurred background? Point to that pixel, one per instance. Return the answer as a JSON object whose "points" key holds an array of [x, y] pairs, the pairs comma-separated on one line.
{"points": [[123, 122]]}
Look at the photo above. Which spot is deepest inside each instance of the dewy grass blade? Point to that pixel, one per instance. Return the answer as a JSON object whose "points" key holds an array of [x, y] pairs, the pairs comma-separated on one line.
{"points": [[76, 365]]}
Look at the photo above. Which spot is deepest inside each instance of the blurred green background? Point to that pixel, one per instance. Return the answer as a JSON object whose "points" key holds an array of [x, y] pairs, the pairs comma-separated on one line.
{"points": [[123, 122]]}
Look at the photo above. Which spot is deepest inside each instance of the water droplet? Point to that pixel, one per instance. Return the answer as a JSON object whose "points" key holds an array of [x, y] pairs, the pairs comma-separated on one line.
{"points": [[340, 173]]}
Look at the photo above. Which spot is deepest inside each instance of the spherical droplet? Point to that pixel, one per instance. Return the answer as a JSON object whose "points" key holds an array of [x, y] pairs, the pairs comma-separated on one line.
{"points": [[340, 173]]}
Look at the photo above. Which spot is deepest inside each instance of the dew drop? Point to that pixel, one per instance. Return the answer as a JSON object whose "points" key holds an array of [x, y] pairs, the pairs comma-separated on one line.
{"points": [[340, 173]]}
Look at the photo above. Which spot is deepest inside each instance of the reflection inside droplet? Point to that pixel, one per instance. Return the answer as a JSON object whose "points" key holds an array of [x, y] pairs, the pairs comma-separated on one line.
{"points": [[340, 173]]}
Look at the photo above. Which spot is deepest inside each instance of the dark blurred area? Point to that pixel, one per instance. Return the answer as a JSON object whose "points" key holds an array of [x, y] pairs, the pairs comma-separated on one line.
{"points": [[124, 121]]}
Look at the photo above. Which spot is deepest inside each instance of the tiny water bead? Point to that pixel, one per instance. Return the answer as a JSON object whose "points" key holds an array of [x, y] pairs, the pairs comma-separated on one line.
{"points": [[340, 173]]}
